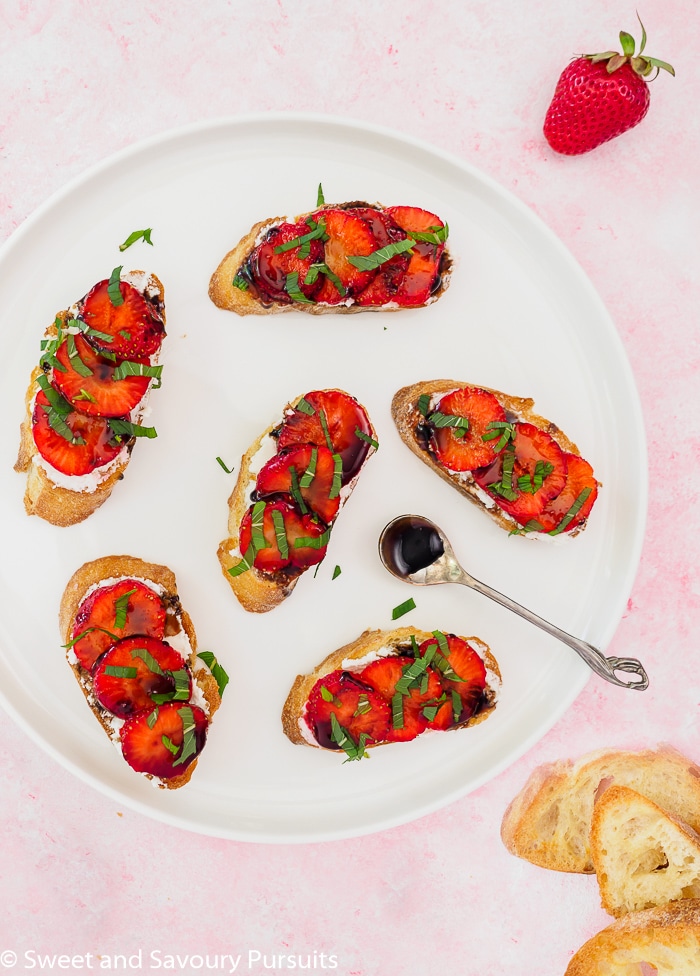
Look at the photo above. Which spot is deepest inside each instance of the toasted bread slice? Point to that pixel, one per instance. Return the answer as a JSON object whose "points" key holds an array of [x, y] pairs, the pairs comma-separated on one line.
{"points": [[369, 646], [408, 419], [643, 856], [245, 301], [63, 499], [178, 629], [259, 592], [549, 821], [657, 942]]}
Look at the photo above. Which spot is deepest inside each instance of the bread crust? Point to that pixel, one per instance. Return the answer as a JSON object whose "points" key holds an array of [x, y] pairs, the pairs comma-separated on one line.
{"points": [[261, 592], [658, 937], [225, 295], [109, 567], [407, 417], [55, 503], [368, 642], [549, 822]]}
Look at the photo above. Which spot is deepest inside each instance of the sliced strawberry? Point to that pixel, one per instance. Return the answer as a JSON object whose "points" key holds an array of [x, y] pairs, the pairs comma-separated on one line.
{"points": [[422, 276], [276, 272], [462, 671], [137, 672], [112, 612], [348, 236], [98, 393], [92, 444], [343, 416], [309, 469], [358, 710], [579, 479], [164, 740], [409, 719], [303, 539], [385, 230], [135, 327], [538, 474], [464, 453]]}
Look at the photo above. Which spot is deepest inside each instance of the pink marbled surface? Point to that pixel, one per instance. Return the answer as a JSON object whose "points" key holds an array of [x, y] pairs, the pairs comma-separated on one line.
{"points": [[82, 79]]}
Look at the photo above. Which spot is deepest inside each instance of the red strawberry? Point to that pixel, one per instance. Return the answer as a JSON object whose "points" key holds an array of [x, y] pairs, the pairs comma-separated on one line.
{"points": [[458, 661], [97, 394], [465, 453], [91, 445], [135, 327], [277, 273], [422, 276], [164, 740], [385, 230], [348, 236], [579, 479], [538, 473], [295, 529], [358, 710], [136, 671], [343, 416], [112, 612], [600, 96], [321, 495], [410, 720]]}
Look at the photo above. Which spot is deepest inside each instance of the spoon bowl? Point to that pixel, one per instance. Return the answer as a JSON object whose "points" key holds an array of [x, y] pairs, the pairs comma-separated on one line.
{"points": [[417, 551]]}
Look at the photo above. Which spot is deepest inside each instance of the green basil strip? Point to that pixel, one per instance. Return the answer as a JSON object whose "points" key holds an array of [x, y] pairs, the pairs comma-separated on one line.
{"points": [[152, 718], [313, 542], [95, 333], [240, 282], [57, 423], [121, 609], [127, 368], [218, 672], [435, 235], [308, 475], [326, 432], [397, 710], [59, 403], [292, 288], [573, 512], [280, 533], [403, 608], [532, 525], [74, 357], [502, 429], [181, 691], [84, 395], [83, 633], [441, 657], [146, 657], [366, 438], [244, 564], [438, 419], [113, 290], [320, 199], [227, 470], [410, 674], [339, 735], [429, 712], [257, 535], [305, 407], [423, 404], [189, 741], [457, 705], [415, 649], [295, 492], [337, 476], [121, 428], [326, 694], [168, 743], [318, 232], [137, 235], [364, 705], [336, 572], [374, 260], [120, 672]]}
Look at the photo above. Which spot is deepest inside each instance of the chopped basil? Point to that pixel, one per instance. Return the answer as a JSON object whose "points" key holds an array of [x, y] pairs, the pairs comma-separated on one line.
{"points": [[532, 525], [435, 235], [411, 673], [145, 655], [280, 533], [49, 348], [336, 572], [257, 535], [313, 542], [374, 260], [124, 428], [227, 470], [337, 476], [397, 710], [318, 233], [244, 564], [181, 691], [95, 333], [364, 705], [241, 283], [308, 475], [169, 744], [326, 694], [218, 672], [532, 483], [295, 491], [504, 487], [320, 199], [127, 368], [294, 291], [498, 428], [113, 290], [84, 395], [137, 235], [316, 269], [152, 718], [326, 432], [438, 419], [352, 749], [573, 512], [115, 671], [366, 438], [457, 705], [403, 608], [423, 404], [189, 741], [121, 608], [305, 407]]}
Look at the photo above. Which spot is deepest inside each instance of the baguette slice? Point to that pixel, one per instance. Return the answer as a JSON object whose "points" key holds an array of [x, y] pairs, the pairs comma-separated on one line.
{"points": [[225, 295], [370, 645], [643, 856], [179, 626], [549, 821], [407, 417], [663, 941], [61, 504], [256, 591]]}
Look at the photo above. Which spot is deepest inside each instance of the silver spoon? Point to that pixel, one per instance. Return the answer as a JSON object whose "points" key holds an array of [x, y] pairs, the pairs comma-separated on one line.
{"points": [[414, 549]]}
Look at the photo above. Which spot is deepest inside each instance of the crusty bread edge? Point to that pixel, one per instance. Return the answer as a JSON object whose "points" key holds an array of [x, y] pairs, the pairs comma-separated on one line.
{"points": [[406, 417], [366, 643], [225, 295], [108, 567], [256, 591], [55, 504]]}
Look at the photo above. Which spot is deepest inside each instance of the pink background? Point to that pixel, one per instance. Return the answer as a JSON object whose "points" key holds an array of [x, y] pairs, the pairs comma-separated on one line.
{"points": [[82, 79]]}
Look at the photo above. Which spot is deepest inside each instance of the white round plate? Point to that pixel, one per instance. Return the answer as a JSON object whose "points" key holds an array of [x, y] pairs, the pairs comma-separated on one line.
{"points": [[519, 316]]}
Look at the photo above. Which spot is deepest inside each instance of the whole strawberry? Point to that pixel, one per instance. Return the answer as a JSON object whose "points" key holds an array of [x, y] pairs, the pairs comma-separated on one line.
{"points": [[600, 96]]}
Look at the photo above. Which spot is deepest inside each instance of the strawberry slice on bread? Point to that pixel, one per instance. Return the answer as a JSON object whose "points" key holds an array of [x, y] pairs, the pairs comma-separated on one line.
{"points": [[283, 508], [515, 465], [133, 650], [392, 686]]}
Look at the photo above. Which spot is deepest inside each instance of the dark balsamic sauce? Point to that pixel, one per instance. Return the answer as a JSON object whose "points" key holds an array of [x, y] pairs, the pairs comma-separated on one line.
{"points": [[411, 545]]}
